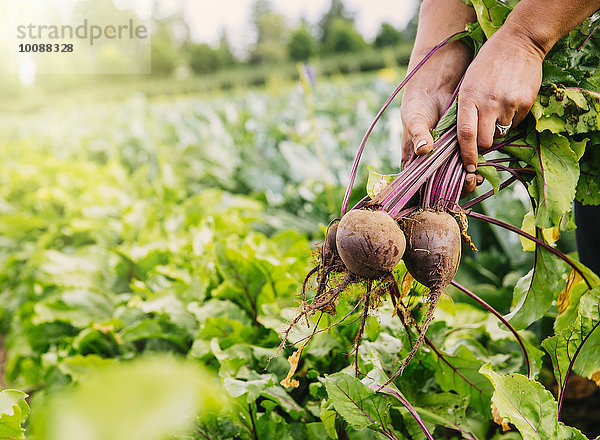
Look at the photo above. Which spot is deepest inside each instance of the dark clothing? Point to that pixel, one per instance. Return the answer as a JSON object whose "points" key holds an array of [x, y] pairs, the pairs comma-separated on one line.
{"points": [[587, 235]]}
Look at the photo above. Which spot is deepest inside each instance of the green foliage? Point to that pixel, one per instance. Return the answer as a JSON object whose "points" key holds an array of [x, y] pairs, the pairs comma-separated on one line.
{"points": [[271, 34], [13, 412], [360, 406], [183, 232], [527, 405], [150, 399], [535, 292], [387, 35], [337, 10], [566, 108], [302, 45], [164, 58], [343, 37], [203, 58]]}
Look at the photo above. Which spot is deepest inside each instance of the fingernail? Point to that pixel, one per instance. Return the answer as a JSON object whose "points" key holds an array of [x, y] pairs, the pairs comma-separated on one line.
{"points": [[471, 168], [421, 143], [470, 178]]}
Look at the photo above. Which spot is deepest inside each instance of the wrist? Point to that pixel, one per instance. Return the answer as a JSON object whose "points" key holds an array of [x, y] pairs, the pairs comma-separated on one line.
{"points": [[529, 30], [450, 60]]}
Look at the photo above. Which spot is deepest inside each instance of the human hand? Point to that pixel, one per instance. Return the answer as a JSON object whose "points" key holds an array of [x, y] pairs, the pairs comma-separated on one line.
{"points": [[499, 86], [426, 96]]}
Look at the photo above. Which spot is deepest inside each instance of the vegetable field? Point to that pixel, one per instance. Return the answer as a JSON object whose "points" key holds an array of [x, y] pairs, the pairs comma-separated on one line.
{"points": [[153, 251]]}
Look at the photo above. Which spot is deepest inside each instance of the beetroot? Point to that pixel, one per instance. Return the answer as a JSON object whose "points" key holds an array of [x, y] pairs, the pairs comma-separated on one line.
{"points": [[434, 247], [432, 257], [329, 250], [370, 243]]}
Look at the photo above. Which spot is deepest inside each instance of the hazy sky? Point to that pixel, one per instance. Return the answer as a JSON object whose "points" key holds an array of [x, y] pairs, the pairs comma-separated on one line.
{"points": [[207, 17]]}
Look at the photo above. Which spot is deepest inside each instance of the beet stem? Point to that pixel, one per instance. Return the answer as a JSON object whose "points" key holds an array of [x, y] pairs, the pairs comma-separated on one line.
{"points": [[497, 314], [383, 108], [487, 194], [410, 409], [438, 353], [545, 245]]}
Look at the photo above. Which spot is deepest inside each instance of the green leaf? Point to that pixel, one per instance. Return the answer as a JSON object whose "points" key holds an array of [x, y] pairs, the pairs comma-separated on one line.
{"points": [[79, 308], [244, 277], [377, 182], [529, 406], [146, 399], [567, 110], [588, 186], [580, 338], [443, 409], [459, 372], [360, 406], [328, 416], [555, 159], [490, 14], [525, 403], [491, 175], [251, 388], [446, 121], [286, 402], [573, 60], [568, 300], [13, 412], [534, 292]]}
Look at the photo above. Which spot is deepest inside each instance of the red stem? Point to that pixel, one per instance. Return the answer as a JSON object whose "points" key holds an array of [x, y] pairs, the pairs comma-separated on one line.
{"points": [[545, 245], [500, 318], [383, 108]]}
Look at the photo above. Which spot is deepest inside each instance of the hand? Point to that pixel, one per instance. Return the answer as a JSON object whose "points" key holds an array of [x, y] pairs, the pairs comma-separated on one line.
{"points": [[500, 86], [427, 95]]}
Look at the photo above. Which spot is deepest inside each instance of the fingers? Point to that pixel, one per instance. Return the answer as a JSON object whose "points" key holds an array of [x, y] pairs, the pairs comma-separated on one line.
{"points": [[471, 182], [477, 127], [469, 186], [422, 141], [467, 124], [418, 117]]}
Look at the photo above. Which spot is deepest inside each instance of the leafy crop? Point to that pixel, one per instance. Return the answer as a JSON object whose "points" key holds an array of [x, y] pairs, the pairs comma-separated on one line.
{"points": [[182, 232]]}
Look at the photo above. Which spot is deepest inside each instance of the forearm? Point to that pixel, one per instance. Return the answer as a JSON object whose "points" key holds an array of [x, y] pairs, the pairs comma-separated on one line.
{"points": [[543, 22], [438, 19]]}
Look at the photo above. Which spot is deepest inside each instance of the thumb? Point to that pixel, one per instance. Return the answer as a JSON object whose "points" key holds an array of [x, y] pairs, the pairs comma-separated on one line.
{"points": [[422, 141]]}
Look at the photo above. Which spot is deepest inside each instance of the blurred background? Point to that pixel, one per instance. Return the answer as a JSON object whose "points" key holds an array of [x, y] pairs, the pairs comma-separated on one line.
{"points": [[174, 214], [206, 46]]}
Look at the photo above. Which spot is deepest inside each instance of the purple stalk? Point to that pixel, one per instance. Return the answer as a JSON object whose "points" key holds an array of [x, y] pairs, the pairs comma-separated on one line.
{"points": [[507, 143], [453, 97], [488, 194], [383, 108], [539, 242], [397, 200], [500, 318], [419, 169], [588, 38], [411, 410], [512, 170], [436, 350]]}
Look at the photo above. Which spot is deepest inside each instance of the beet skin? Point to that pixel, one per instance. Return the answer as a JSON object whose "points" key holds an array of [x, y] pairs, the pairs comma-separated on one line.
{"points": [[370, 243], [433, 247]]}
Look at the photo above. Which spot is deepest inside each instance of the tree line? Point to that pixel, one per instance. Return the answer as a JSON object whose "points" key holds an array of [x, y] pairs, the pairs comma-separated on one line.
{"points": [[275, 41]]}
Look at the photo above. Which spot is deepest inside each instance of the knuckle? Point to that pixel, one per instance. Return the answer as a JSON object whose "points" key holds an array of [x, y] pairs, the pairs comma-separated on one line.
{"points": [[466, 133], [495, 95], [511, 101]]}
